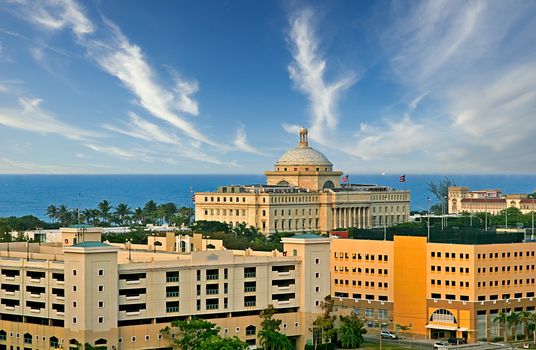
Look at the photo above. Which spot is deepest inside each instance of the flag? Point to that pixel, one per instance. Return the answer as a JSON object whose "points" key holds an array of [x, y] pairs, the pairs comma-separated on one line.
{"points": [[193, 198], [344, 178], [403, 178]]}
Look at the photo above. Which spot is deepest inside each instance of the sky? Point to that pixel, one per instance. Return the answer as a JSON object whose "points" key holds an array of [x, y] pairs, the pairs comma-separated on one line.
{"points": [[185, 87]]}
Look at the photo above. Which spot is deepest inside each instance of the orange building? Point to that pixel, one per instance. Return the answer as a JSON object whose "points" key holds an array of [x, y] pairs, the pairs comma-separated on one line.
{"points": [[438, 290]]}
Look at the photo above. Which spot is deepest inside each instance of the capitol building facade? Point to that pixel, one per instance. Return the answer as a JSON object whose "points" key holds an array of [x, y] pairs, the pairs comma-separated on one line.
{"points": [[304, 193]]}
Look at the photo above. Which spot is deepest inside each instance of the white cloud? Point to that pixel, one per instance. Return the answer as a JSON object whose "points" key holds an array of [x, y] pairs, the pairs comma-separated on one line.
{"points": [[184, 101], [308, 70], [291, 128], [397, 140], [121, 152], [31, 117], [140, 128], [476, 66], [241, 143], [59, 14]]}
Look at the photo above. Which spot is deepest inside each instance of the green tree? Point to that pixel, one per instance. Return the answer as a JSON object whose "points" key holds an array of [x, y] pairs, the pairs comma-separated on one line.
{"points": [[105, 209], [324, 325], [440, 190], [52, 212], [502, 320], [169, 210], [139, 216], [208, 227], [63, 215], [219, 343], [270, 337], [525, 319], [150, 210], [122, 212], [198, 334], [351, 331], [513, 320]]}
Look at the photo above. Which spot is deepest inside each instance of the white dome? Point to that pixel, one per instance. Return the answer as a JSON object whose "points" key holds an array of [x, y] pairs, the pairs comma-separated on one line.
{"points": [[303, 156]]}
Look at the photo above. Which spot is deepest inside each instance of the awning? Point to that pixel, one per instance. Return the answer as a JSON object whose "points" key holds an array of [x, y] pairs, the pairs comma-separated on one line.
{"points": [[463, 329], [442, 326]]}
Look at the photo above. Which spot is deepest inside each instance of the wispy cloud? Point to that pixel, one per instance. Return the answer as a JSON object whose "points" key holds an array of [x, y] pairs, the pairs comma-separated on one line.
{"points": [[121, 152], [241, 143], [472, 60], [59, 14], [308, 72], [142, 129], [116, 55], [31, 117]]}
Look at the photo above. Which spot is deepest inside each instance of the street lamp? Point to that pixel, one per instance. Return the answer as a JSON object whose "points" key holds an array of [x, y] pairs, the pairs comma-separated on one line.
{"points": [[532, 212], [428, 221], [486, 212]]}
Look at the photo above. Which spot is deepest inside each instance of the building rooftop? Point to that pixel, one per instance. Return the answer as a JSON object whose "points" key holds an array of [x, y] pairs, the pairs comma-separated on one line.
{"points": [[91, 244], [81, 226], [307, 236]]}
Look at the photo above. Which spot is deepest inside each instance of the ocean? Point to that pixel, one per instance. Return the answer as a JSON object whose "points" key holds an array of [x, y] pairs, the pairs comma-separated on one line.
{"points": [[32, 194]]}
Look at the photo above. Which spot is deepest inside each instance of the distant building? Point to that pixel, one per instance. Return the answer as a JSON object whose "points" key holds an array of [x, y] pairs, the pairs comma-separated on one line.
{"points": [[438, 290], [304, 193], [120, 296], [461, 200]]}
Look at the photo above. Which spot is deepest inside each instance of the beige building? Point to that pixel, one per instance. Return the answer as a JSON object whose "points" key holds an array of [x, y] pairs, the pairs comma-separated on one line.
{"points": [[304, 193], [120, 296], [436, 290], [461, 200]]}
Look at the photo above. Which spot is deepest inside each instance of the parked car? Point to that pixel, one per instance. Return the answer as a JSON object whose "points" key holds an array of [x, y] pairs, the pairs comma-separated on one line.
{"points": [[441, 345], [457, 341], [388, 335]]}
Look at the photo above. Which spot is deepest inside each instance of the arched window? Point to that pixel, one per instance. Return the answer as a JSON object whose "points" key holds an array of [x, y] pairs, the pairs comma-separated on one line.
{"points": [[54, 342], [158, 244], [282, 183], [27, 338], [3, 335], [100, 341], [328, 185], [444, 316], [251, 330]]}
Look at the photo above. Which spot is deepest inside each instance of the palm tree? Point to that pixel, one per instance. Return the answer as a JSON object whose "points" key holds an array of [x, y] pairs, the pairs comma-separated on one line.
{"points": [[139, 216], [169, 210], [524, 319], [514, 320], [63, 214], [501, 320], [105, 208], [52, 212], [122, 211], [150, 209]]}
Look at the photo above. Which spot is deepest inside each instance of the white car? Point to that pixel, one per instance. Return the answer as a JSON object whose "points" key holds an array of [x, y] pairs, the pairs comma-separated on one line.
{"points": [[388, 335], [441, 345]]}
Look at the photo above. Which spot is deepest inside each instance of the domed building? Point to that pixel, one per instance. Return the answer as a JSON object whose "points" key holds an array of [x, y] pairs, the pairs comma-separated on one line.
{"points": [[304, 193]]}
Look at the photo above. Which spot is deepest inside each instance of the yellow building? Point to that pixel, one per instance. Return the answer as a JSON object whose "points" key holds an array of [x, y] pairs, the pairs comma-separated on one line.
{"points": [[461, 200], [120, 296], [304, 193], [438, 290]]}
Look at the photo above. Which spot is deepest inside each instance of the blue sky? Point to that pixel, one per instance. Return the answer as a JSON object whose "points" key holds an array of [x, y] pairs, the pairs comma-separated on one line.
{"points": [[222, 86]]}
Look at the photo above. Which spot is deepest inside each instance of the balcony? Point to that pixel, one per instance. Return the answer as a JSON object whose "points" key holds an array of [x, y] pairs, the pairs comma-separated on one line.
{"points": [[129, 299], [250, 289], [249, 303], [212, 291], [212, 306], [172, 294], [133, 282], [212, 277], [172, 279], [127, 315], [172, 309], [250, 274]]}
